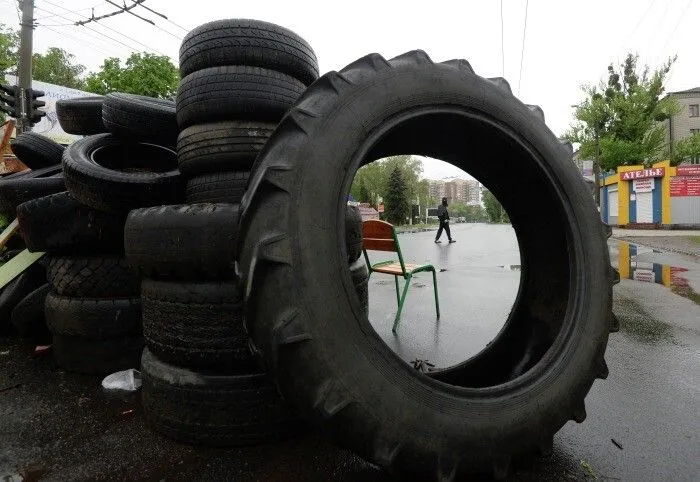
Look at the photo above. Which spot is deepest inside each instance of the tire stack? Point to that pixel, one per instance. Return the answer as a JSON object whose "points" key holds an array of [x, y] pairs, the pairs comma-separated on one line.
{"points": [[92, 309], [22, 299], [201, 383]]}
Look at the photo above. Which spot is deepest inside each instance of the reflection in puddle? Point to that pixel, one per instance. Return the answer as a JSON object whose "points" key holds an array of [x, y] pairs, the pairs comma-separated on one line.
{"points": [[510, 267], [672, 277]]}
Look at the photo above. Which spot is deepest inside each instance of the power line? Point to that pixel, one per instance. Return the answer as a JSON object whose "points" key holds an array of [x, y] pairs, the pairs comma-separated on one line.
{"points": [[503, 52], [522, 52], [79, 40], [639, 22], [101, 33], [673, 32]]}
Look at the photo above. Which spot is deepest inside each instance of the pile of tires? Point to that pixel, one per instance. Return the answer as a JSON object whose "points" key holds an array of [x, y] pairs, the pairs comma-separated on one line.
{"points": [[317, 343], [201, 382], [22, 299], [92, 306]]}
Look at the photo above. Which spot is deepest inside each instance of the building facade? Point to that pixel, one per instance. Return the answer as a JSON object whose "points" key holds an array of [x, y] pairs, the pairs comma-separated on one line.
{"points": [[467, 191], [687, 121]]}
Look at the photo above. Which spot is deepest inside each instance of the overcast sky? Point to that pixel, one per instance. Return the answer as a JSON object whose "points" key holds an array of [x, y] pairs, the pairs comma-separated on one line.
{"points": [[567, 43]]}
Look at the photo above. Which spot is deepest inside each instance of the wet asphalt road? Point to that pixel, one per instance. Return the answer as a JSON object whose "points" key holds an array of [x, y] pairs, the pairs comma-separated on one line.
{"points": [[61, 426]]}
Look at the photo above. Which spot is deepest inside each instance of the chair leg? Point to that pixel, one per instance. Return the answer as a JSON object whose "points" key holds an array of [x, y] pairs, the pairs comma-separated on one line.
{"points": [[435, 288], [401, 302], [396, 282]]}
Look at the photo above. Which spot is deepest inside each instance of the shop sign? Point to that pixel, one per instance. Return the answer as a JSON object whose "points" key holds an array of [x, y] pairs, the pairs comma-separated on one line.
{"points": [[685, 186], [688, 171], [643, 185], [645, 275], [642, 173]]}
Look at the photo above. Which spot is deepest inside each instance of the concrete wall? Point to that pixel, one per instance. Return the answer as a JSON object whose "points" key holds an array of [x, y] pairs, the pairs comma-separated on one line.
{"points": [[685, 210], [682, 123]]}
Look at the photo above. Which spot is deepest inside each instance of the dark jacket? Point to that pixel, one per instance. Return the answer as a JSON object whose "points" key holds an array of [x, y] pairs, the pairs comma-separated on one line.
{"points": [[442, 213]]}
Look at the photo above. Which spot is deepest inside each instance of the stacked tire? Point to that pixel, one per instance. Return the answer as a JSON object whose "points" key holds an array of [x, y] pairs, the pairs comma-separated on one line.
{"points": [[201, 382], [92, 308], [22, 299]]}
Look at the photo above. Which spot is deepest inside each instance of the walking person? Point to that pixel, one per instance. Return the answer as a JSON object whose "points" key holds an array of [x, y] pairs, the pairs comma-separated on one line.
{"points": [[444, 218]]}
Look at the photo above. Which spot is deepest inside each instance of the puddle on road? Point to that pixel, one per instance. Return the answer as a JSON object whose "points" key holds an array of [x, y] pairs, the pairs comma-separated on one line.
{"points": [[673, 277], [511, 267]]}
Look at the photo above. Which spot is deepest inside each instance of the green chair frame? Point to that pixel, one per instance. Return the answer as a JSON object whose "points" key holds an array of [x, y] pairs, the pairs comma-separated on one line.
{"points": [[381, 236]]}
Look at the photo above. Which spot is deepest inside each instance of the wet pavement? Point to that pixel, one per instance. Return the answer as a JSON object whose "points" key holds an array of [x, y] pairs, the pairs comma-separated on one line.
{"points": [[642, 421]]}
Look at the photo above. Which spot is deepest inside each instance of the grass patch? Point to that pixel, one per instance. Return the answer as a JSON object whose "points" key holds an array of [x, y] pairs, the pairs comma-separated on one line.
{"points": [[640, 325], [694, 239]]}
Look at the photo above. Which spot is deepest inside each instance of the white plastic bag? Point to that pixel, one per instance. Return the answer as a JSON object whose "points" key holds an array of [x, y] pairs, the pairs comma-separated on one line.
{"points": [[128, 380]]}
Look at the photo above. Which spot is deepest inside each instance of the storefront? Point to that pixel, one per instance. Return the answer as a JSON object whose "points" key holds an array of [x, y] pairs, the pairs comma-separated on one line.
{"points": [[658, 196]]}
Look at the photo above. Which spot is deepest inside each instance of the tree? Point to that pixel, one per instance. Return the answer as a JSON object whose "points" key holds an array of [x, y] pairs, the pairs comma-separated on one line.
{"points": [[396, 205], [372, 180], [9, 45], [687, 149], [57, 66], [143, 74], [622, 119], [494, 210]]}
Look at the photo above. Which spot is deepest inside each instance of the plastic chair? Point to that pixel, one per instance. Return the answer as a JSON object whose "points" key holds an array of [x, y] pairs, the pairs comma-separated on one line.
{"points": [[381, 236]]}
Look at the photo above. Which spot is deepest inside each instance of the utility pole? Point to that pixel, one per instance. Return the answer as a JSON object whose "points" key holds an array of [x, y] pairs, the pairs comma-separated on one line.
{"points": [[24, 73]]}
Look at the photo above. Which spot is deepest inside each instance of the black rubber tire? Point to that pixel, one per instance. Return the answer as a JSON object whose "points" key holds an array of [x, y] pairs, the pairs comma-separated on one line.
{"points": [[141, 118], [191, 241], [92, 277], [97, 357], [212, 409], [235, 92], [29, 185], [28, 315], [196, 324], [94, 318], [359, 273], [248, 42], [81, 116], [36, 151], [16, 290], [353, 233], [107, 173], [220, 187], [60, 224], [327, 359], [221, 146]]}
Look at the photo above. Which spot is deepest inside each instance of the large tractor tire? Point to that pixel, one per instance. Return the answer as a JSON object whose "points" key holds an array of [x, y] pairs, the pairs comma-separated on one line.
{"points": [[327, 359]]}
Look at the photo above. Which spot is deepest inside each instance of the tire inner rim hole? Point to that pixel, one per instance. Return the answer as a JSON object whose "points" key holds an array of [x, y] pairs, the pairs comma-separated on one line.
{"points": [[507, 168], [135, 157]]}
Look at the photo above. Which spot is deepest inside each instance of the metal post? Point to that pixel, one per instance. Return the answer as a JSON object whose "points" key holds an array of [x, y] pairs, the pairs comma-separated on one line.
{"points": [[24, 71]]}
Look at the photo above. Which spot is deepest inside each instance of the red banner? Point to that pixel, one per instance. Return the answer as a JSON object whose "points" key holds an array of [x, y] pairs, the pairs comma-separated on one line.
{"points": [[685, 186], [688, 171], [642, 173]]}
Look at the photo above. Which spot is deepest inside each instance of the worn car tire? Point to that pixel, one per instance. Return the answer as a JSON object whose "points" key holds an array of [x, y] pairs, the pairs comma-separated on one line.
{"points": [[248, 42], [60, 224], [196, 324], [112, 174], [326, 357], [211, 409], [235, 92], [191, 241], [359, 273], [141, 118], [15, 190], [94, 318], [28, 315], [92, 277], [219, 187], [353, 233], [97, 357], [36, 151], [221, 146], [16, 290], [81, 116]]}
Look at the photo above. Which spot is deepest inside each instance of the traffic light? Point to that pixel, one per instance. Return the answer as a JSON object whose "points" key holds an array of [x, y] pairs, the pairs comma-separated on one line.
{"points": [[10, 100], [33, 113]]}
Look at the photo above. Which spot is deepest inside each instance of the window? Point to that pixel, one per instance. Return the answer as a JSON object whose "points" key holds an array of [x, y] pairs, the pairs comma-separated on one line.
{"points": [[694, 111]]}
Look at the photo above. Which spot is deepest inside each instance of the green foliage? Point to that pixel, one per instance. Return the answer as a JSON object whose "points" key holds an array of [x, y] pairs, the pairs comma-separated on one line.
{"points": [[625, 115], [9, 45], [396, 205], [472, 214], [57, 66], [687, 149], [494, 210], [372, 181], [143, 74]]}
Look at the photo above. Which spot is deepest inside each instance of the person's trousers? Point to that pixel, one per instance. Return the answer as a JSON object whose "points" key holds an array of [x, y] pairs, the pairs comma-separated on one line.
{"points": [[446, 226]]}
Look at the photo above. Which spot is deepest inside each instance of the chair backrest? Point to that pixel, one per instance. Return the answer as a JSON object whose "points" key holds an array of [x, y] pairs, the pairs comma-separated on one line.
{"points": [[378, 236]]}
